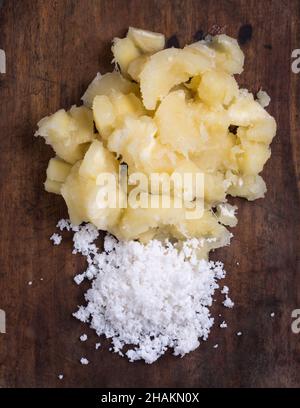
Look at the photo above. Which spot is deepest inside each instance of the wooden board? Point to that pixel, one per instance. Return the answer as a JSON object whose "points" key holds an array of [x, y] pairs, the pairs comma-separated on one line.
{"points": [[53, 50]]}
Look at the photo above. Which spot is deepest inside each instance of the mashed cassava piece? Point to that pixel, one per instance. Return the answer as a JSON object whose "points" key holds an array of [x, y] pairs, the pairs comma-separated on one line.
{"points": [[162, 110]]}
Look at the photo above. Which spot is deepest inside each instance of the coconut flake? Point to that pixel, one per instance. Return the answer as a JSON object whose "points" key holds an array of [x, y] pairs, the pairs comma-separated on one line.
{"points": [[263, 98], [228, 303], [148, 297], [83, 337], [56, 238]]}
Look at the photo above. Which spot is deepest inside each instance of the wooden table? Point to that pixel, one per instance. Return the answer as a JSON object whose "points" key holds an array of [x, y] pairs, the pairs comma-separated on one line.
{"points": [[53, 50]]}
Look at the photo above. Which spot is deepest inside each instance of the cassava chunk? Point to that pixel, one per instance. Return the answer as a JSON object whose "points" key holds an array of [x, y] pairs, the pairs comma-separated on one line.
{"points": [[104, 84], [68, 132]]}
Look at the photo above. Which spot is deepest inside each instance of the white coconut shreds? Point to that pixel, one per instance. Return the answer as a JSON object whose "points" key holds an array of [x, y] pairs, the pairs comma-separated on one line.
{"points": [[56, 238], [146, 297]]}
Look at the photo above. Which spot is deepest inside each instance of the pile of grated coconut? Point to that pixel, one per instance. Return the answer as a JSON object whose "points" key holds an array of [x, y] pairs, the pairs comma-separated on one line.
{"points": [[146, 297]]}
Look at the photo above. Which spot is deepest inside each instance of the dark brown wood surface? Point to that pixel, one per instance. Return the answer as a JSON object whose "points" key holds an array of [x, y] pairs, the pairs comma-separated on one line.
{"points": [[53, 50]]}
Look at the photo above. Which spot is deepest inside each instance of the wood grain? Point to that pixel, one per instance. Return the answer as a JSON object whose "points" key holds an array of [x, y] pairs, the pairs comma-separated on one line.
{"points": [[53, 50]]}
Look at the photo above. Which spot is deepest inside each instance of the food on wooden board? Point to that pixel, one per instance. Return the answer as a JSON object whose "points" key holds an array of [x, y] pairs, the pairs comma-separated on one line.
{"points": [[169, 112]]}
